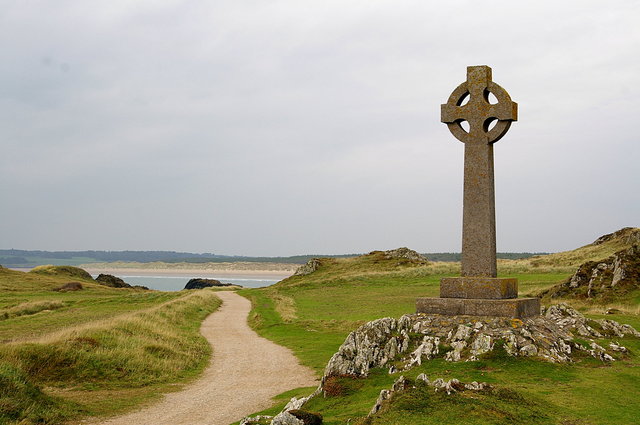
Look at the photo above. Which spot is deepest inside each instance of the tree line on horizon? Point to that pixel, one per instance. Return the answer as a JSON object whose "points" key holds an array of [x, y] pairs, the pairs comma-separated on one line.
{"points": [[32, 258]]}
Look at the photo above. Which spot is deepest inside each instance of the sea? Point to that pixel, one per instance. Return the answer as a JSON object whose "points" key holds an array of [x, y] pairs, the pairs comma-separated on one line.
{"points": [[177, 283]]}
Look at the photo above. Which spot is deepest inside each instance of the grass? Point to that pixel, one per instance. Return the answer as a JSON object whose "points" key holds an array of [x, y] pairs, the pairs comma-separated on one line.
{"points": [[100, 351], [28, 308], [313, 314]]}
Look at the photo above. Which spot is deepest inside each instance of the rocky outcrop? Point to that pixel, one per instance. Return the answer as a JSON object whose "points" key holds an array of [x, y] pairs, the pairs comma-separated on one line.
{"points": [[407, 254], [309, 267], [111, 281], [199, 283], [404, 384], [289, 415], [406, 342], [617, 274], [115, 282], [628, 235]]}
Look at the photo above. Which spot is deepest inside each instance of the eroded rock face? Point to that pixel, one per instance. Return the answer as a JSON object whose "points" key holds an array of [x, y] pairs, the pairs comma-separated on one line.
{"points": [[414, 338], [620, 272]]}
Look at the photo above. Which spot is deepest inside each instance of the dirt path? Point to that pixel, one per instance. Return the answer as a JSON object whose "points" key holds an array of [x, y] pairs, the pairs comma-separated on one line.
{"points": [[245, 372]]}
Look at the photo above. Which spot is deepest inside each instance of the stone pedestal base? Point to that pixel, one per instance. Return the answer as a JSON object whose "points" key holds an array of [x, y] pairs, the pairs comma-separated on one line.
{"points": [[478, 287], [514, 307]]}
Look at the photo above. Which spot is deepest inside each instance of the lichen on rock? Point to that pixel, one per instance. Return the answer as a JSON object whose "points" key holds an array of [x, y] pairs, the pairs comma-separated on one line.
{"points": [[414, 338]]}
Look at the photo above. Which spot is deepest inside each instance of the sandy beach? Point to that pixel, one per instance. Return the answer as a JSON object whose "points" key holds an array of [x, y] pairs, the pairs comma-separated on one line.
{"points": [[249, 270]]}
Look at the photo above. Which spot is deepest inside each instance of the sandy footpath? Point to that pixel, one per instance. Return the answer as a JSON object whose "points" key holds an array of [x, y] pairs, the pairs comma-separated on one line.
{"points": [[245, 372]]}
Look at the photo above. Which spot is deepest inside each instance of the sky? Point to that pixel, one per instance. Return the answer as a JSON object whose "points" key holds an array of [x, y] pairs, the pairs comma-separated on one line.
{"points": [[290, 127]]}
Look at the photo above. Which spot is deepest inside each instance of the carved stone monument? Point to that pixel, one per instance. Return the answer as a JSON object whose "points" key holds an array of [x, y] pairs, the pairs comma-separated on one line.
{"points": [[479, 291]]}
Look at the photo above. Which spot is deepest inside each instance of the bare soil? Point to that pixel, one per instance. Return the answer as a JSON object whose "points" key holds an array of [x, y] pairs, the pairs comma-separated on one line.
{"points": [[245, 372]]}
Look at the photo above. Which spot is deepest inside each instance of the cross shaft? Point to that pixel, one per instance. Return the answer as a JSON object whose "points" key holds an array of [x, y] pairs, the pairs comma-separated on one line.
{"points": [[479, 227]]}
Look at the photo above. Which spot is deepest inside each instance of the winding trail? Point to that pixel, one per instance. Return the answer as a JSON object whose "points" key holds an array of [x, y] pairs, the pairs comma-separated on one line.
{"points": [[244, 373]]}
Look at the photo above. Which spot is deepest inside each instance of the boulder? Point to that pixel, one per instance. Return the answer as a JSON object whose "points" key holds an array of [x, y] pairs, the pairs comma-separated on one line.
{"points": [[199, 283], [111, 281]]}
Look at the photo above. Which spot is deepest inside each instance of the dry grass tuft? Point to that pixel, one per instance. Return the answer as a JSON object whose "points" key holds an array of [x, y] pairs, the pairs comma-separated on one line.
{"points": [[285, 306], [29, 308]]}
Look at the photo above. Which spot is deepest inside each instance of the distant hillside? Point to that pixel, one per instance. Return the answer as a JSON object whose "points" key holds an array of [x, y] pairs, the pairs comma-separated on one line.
{"points": [[26, 258], [601, 248]]}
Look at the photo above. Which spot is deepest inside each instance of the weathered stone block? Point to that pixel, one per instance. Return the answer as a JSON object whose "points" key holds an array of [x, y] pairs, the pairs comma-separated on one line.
{"points": [[478, 288], [515, 307]]}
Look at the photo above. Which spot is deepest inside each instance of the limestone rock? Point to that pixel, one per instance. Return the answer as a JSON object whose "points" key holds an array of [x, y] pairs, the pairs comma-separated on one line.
{"points": [[371, 345], [475, 386], [384, 395], [308, 268], [429, 348], [424, 378], [286, 418], [255, 420]]}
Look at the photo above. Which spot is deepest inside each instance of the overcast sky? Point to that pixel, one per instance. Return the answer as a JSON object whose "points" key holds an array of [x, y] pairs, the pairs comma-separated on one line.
{"points": [[291, 127]]}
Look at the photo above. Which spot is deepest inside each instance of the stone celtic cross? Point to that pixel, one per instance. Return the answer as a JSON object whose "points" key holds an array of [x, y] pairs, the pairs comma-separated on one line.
{"points": [[479, 292], [488, 122]]}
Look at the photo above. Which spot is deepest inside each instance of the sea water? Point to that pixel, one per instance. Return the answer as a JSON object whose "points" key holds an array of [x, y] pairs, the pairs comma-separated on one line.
{"points": [[176, 283]]}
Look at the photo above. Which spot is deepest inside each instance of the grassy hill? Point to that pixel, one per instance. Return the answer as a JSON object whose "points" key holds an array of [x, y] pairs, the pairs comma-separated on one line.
{"points": [[94, 351], [601, 248], [312, 314]]}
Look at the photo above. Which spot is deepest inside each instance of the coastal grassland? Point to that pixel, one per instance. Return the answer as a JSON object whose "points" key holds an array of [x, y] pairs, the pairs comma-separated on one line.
{"points": [[101, 351], [323, 307], [31, 307]]}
